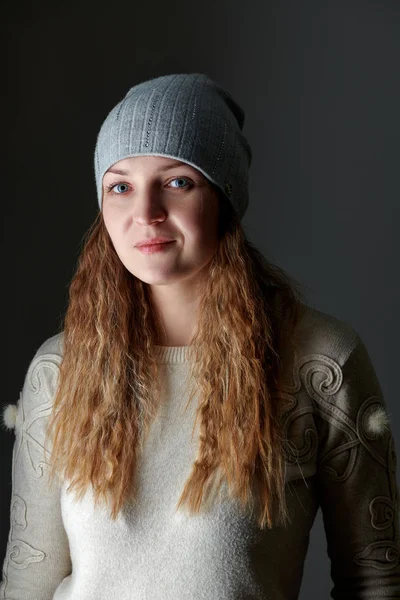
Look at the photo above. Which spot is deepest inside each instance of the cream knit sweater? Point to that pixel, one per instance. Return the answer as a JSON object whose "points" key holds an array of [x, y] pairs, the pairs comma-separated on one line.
{"points": [[341, 458]]}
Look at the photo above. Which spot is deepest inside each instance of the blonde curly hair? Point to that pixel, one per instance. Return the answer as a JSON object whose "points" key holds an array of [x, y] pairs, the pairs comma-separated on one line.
{"points": [[108, 388]]}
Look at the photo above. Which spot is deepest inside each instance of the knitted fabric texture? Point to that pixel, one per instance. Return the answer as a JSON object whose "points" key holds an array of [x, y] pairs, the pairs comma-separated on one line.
{"points": [[188, 117]]}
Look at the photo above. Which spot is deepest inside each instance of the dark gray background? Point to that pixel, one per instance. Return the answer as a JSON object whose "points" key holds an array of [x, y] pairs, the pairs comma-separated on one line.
{"points": [[319, 82]]}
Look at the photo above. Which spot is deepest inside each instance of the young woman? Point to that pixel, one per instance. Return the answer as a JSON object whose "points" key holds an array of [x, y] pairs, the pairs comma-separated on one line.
{"points": [[176, 438]]}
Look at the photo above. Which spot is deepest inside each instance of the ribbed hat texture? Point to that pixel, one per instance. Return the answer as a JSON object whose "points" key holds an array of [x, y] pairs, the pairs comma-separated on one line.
{"points": [[188, 117]]}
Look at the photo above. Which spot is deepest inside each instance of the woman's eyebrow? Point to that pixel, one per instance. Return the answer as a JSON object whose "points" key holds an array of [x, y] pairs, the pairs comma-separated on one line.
{"points": [[166, 168]]}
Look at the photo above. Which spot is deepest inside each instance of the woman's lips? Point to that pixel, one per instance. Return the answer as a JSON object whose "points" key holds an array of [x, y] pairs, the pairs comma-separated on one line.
{"points": [[154, 247]]}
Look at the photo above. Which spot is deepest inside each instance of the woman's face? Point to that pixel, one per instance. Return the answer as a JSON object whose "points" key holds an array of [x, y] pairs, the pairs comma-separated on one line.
{"points": [[155, 196]]}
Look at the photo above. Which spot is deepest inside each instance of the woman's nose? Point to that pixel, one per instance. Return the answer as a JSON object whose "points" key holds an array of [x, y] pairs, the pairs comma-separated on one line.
{"points": [[148, 206]]}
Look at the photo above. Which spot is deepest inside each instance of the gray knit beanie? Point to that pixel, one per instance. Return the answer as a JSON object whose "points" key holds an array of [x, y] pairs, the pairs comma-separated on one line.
{"points": [[184, 116]]}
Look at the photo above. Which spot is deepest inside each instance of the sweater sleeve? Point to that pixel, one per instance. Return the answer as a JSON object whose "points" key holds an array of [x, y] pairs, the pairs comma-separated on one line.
{"points": [[357, 487], [37, 555]]}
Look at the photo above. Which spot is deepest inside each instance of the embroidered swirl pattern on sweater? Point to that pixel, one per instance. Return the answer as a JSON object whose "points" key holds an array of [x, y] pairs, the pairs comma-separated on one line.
{"points": [[19, 552], [382, 555]]}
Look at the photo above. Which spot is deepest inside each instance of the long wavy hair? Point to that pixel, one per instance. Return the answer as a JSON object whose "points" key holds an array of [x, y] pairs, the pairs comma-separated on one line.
{"points": [[108, 387]]}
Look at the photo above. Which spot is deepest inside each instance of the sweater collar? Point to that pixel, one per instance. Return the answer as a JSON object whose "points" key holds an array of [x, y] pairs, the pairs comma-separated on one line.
{"points": [[172, 354]]}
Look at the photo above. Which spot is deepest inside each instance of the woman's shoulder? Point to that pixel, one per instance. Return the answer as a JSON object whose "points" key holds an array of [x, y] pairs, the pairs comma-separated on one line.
{"points": [[39, 385], [51, 345], [320, 333]]}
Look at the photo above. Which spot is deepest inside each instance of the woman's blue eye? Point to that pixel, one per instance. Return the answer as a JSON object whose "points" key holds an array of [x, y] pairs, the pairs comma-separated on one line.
{"points": [[122, 188], [120, 185], [179, 179]]}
